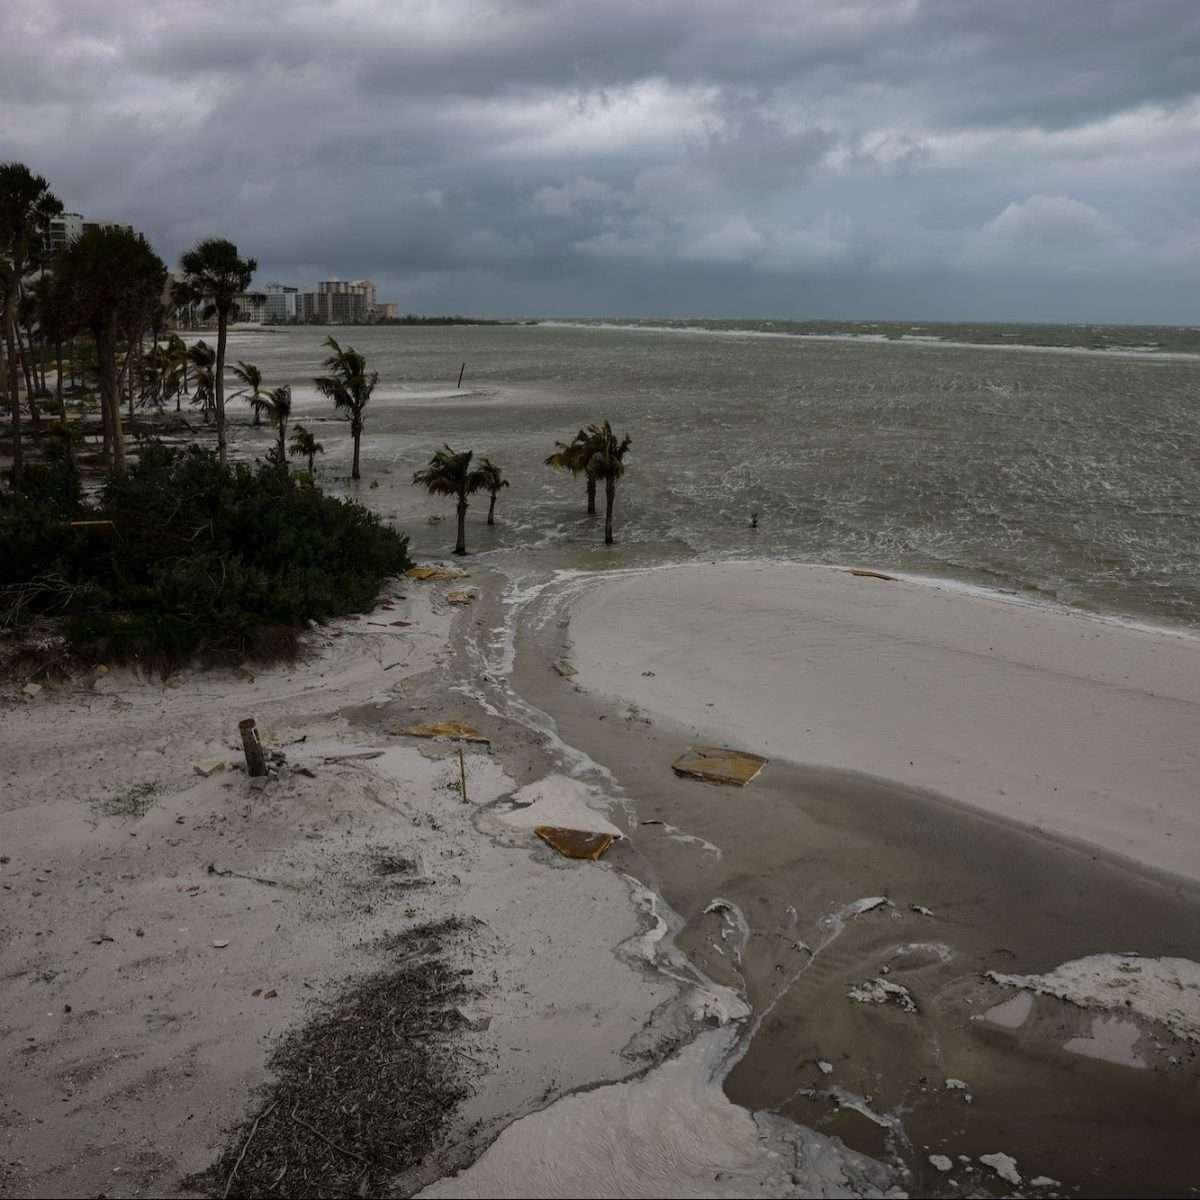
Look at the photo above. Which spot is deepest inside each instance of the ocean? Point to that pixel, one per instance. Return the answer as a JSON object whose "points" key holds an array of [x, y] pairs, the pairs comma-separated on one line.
{"points": [[1061, 471]]}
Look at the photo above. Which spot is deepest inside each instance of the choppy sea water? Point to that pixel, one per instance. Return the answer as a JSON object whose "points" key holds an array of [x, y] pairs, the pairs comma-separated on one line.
{"points": [[1067, 474]]}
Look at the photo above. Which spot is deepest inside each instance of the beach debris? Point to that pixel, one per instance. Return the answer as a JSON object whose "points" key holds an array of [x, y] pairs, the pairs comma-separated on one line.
{"points": [[1044, 1181], [256, 760], [358, 756], [1004, 1165], [220, 943], [647, 674], [458, 731], [459, 597], [575, 843], [941, 1163], [921, 910], [401, 624], [32, 689], [826, 1068], [208, 767], [565, 669], [1164, 990], [867, 904], [864, 574], [434, 574], [957, 1085], [474, 1018], [718, 765], [883, 991], [462, 772]]}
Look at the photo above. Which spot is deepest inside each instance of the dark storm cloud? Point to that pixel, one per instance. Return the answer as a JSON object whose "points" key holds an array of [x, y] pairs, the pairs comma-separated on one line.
{"points": [[872, 156]]}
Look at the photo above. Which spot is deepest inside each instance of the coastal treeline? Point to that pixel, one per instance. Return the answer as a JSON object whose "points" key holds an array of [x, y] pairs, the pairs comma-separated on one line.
{"points": [[138, 549]]}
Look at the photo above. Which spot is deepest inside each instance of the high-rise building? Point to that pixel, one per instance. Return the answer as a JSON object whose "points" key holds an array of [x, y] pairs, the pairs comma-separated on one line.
{"points": [[284, 303], [64, 229]]}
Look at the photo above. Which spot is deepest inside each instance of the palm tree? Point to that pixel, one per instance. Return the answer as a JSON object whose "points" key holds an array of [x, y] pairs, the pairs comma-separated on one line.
{"points": [[26, 208], [113, 275], [449, 474], [277, 404], [203, 359], [251, 376], [214, 275], [305, 445], [606, 460], [572, 456], [494, 481], [349, 387], [180, 361]]}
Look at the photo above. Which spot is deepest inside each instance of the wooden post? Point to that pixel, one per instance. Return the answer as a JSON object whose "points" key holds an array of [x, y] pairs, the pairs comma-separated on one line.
{"points": [[460, 373], [256, 761], [462, 770]]}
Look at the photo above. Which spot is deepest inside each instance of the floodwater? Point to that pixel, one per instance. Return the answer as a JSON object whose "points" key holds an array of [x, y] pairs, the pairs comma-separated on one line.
{"points": [[1067, 475]]}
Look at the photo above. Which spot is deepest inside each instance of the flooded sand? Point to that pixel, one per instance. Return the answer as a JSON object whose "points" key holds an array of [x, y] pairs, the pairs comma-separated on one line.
{"points": [[757, 875]]}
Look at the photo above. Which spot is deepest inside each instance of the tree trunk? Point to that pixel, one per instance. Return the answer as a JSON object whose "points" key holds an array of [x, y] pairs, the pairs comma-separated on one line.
{"points": [[310, 463], [283, 444], [110, 390], [14, 389], [219, 381], [30, 377], [492, 510], [591, 495], [356, 429], [610, 493], [58, 387], [461, 547]]}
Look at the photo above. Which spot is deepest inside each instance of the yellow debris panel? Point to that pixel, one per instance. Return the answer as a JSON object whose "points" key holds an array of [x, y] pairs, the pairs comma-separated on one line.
{"points": [[575, 843], [870, 574], [719, 765], [458, 731], [460, 597], [434, 574]]}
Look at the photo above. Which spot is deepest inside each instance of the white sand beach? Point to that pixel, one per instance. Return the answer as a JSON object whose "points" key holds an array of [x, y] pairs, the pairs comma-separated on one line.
{"points": [[1085, 728]]}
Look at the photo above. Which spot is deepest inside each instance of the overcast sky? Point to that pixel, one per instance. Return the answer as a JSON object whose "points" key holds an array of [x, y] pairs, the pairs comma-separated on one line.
{"points": [[952, 159]]}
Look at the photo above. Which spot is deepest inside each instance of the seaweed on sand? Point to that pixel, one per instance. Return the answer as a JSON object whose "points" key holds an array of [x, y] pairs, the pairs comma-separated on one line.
{"points": [[363, 1091]]}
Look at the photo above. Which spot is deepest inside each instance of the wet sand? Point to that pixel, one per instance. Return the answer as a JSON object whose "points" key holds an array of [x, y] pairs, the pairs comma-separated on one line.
{"points": [[804, 841]]}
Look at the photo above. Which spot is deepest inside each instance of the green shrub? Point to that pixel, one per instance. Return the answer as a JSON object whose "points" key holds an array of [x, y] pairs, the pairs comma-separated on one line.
{"points": [[225, 561]]}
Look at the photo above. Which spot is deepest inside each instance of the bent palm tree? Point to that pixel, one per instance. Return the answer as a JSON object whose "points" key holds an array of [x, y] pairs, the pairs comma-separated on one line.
{"points": [[349, 387], [203, 359], [215, 276], [277, 404], [572, 456], [251, 376], [606, 460], [493, 481], [305, 445], [449, 474]]}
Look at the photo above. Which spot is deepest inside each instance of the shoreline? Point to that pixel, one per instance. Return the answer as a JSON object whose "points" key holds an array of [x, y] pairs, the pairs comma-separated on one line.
{"points": [[677, 990], [914, 669]]}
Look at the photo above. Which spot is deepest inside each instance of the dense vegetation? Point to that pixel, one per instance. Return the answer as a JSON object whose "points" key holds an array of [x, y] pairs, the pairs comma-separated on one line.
{"points": [[182, 556]]}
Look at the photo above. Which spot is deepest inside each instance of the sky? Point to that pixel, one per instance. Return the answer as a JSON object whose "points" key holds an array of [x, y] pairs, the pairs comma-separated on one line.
{"points": [[1028, 160]]}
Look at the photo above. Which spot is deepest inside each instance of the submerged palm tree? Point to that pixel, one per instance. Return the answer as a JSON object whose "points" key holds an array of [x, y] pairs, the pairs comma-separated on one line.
{"points": [[305, 445], [449, 474], [494, 481], [248, 374], [214, 275], [276, 403], [606, 460], [572, 456], [349, 387]]}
